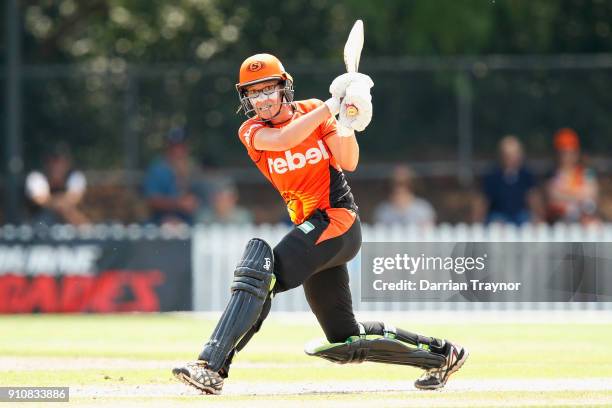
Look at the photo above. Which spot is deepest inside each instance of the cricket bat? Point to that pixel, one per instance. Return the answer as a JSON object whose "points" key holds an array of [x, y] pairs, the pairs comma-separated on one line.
{"points": [[352, 54]]}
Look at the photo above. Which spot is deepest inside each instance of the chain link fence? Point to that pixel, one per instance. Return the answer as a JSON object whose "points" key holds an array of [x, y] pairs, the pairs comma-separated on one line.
{"points": [[115, 115], [443, 116]]}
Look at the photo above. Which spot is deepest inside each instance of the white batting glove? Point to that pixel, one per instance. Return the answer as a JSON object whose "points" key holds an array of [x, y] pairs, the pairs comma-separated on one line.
{"points": [[333, 104], [340, 83], [357, 95]]}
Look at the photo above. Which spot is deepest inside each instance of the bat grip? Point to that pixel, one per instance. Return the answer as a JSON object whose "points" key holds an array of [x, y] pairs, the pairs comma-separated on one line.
{"points": [[351, 110]]}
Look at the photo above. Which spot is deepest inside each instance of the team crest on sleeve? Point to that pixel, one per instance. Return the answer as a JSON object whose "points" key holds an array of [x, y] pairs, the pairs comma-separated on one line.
{"points": [[249, 131]]}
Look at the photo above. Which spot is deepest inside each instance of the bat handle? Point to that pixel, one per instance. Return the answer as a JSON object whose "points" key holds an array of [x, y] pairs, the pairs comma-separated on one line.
{"points": [[351, 110]]}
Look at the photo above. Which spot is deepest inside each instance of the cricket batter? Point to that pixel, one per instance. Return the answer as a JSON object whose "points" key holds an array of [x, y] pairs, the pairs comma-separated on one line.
{"points": [[302, 149]]}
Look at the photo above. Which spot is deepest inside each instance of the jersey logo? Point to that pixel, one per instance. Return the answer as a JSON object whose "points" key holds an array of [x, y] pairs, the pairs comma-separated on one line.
{"points": [[294, 161]]}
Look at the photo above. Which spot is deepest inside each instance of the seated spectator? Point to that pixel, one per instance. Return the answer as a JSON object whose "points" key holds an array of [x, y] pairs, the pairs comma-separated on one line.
{"points": [[403, 207], [509, 188], [573, 188], [55, 193], [224, 207], [170, 185]]}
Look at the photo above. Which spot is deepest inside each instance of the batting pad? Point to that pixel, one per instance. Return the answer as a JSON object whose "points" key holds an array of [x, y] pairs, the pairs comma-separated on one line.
{"points": [[374, 348], [253, 281]]}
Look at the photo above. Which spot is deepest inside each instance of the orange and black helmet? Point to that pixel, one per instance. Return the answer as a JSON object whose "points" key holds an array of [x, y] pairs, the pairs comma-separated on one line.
{"points": [[260, 68]]}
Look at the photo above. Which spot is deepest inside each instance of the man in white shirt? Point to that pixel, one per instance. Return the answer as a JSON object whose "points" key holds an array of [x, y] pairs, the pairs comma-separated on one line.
{"points": [[55, 193]]}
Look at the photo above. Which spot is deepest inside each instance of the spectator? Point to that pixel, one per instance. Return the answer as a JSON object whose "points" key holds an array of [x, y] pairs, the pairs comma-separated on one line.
{"points": [[55, 193], [573, 188], [170, 185], [403, 207], [510, 194], [224, 207]]}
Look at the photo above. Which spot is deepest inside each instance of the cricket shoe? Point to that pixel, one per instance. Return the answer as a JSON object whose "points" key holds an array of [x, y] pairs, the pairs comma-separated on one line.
{"points": [[435, 378], [197, 375]]}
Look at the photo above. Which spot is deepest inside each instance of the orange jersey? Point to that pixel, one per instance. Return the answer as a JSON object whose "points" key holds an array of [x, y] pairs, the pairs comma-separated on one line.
{"points": [[307, 176]]}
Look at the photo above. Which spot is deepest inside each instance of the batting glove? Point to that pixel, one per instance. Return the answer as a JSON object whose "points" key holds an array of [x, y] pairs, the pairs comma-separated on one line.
{"points": [[340, 83], [333, 104], [357, 95]]}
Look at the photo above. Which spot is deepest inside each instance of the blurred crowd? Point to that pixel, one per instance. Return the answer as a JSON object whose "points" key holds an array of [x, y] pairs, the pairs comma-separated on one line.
{"points": [[176, 189], [512, 194]]}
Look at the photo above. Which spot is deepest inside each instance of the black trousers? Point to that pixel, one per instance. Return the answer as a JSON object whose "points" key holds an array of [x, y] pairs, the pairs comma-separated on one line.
{"points": [[299, 259], [321, 269]]}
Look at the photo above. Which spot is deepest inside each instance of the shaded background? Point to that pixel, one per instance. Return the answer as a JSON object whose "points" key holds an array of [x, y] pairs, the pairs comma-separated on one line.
{"points": [[110, 77]]}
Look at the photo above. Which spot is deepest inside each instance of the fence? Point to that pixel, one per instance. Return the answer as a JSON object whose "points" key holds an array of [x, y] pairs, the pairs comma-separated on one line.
{"points": [[115, 114], [217, 249], [70, 269]]}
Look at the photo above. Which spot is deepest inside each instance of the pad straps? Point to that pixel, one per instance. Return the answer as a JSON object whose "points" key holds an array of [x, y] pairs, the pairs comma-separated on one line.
{"points": [[389, 331], [362, 331]]}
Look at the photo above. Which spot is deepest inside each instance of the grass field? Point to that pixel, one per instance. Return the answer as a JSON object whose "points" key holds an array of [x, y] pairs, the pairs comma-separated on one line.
{"points": [[125, 360]]}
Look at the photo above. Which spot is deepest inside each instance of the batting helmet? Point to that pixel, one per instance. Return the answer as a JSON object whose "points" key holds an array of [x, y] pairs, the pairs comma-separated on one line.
{"points": [[260, 68]]}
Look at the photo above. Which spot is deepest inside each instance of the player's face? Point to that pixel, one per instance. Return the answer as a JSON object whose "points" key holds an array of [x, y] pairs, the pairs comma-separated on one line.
{"points": [[265, 98]]}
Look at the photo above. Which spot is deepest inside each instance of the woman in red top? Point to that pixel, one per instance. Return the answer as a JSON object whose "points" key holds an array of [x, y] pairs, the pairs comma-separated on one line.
{"points": [[302, 150], [572, 190]]}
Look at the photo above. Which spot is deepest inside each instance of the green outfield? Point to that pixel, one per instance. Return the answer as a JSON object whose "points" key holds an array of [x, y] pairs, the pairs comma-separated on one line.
{"points": [[126, 360]]}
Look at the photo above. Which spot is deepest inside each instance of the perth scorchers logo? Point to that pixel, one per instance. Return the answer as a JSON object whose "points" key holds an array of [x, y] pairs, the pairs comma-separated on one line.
{"points": [[299, 204], [256, 66]]}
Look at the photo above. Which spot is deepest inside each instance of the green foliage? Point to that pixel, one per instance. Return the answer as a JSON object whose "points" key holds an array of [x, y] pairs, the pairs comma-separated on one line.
{"points": [[200, 30], [118, 41]]}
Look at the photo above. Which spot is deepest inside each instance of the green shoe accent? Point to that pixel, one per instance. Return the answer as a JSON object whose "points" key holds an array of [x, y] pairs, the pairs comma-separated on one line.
{"points": [[424, 347]]}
